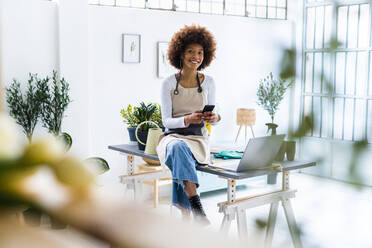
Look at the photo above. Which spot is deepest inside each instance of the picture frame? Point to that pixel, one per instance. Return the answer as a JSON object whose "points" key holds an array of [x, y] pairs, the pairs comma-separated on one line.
{"points": [[164, 67], [131, 48]]}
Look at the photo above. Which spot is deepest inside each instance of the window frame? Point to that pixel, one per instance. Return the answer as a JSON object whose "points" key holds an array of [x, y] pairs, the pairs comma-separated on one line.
{"points": [[224, 2], [333, 96]]}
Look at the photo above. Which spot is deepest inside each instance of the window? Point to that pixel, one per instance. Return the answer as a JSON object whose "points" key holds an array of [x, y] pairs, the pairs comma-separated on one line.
{"points": [[160, 4], [268, 9], [271, 9], [342, 111]]}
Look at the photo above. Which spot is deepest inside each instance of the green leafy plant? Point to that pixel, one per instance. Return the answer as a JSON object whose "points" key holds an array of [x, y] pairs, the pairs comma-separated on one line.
{"points": [[55, 100], [128, 116], [26, 107], [271, 92], [145, 113]]}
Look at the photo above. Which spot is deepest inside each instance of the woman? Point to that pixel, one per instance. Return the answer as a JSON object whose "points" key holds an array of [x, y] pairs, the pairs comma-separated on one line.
{"points": [[185, 143]]}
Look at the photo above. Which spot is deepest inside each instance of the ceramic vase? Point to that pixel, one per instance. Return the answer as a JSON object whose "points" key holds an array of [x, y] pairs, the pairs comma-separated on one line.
{"points": [[290, 150]]}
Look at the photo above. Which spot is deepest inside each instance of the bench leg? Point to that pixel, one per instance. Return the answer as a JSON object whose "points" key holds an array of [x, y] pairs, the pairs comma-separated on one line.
{"points": [[226, 222], [293, 229], [242, 223], [271, 224]]}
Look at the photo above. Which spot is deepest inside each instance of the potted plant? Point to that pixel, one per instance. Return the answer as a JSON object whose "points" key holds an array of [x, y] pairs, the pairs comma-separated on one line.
{"points": [[270, 93], [149, 112], [131, 120], [55, 100], [133, 116], [26, 107]]}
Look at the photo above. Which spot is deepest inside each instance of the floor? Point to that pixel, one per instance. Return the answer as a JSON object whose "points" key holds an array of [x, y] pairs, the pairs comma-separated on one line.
{"points": [[330, 213]]}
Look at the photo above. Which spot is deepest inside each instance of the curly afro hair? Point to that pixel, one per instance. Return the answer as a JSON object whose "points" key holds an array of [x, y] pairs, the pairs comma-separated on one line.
{"points": [[193, 34]]}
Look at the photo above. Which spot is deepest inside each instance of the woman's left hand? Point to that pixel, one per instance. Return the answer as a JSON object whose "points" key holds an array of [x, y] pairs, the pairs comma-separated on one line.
{"points": [[210, 117]]}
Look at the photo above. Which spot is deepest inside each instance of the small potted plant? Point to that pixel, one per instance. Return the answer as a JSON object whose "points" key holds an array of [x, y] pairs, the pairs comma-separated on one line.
{"points": [[270, 93], [131, 120], [145, 113]]}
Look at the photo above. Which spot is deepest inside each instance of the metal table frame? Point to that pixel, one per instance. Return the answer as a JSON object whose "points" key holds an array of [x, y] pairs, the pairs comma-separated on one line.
{"points": [[233, 206]]}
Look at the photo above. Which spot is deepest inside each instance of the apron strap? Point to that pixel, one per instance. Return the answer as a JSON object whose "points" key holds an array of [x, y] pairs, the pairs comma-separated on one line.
{"points": [[199, 86], [200, 89]]}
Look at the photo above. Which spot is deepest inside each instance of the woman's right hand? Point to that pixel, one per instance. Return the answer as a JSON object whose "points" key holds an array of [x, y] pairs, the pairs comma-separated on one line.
{"points": [[194, 118]]}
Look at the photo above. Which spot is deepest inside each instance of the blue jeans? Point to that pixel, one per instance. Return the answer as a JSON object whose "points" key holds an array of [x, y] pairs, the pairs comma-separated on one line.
{"points": [[182, 164]]}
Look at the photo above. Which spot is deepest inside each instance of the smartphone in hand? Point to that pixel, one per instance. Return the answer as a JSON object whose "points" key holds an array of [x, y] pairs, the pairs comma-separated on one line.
{"points": [[208, 108]]}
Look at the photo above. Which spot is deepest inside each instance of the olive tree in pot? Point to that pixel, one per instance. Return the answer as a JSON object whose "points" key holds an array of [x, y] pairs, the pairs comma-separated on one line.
{"points": [[55, 99], [270, 93], [26, 107]]}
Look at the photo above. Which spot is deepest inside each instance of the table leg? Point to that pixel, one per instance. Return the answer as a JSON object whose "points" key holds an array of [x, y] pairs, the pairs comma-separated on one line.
{"points": [[228, 217], [156, 193], [285, 180], [231, 190], [271, 224], [130, 171], [138, 194], [291, 221], [242, 223], [226, 222]]}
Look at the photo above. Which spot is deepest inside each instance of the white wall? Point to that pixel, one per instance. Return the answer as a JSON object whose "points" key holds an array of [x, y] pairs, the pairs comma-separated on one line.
{"points": [[73, 54], [29, 38]]}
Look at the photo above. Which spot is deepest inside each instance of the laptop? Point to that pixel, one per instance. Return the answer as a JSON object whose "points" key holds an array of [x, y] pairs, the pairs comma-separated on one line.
{"points": [[259, 153]]}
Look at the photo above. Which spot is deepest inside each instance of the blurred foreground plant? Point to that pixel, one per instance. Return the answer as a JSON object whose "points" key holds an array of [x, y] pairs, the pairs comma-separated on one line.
{"points": [[44, 177], [17, 164]]}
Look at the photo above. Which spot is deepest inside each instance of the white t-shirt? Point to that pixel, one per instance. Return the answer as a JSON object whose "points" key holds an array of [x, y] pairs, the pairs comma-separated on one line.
{"points": [[169, 85]]}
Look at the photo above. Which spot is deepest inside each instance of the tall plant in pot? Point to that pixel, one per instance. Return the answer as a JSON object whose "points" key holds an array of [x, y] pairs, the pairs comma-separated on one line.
{"points": [[270, 93], [55, 100], [25, 107], [130, 120]]}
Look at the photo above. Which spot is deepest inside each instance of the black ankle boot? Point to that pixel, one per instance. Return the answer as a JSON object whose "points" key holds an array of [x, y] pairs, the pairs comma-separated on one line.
{"points": [[197, 210]]}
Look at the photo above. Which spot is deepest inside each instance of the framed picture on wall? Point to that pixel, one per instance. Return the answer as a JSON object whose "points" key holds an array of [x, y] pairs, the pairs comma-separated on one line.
{"points": [[131, 48], [164, 68]]}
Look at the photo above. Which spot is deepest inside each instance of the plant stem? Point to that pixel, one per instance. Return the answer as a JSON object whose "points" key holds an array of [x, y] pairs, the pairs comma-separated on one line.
{"points": [[29, 137]]}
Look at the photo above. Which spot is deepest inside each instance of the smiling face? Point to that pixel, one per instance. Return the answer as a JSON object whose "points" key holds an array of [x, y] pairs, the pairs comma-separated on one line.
{"points": [[193, 56]]}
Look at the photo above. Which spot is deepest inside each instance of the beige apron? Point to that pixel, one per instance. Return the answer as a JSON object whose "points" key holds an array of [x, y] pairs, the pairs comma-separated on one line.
{"points": [[186, 102]]}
